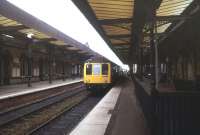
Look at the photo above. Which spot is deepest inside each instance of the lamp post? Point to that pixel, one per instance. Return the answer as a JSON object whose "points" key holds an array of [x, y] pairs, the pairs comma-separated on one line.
{"points": [[30, 41]]}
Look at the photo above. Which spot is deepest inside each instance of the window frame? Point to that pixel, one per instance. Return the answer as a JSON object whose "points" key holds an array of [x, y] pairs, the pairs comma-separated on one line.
{"points": [[99, 69], [86, 69], [107, 72]]}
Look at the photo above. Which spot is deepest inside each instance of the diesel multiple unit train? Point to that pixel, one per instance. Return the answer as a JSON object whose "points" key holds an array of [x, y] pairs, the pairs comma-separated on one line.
{"points": [[99, 74]]}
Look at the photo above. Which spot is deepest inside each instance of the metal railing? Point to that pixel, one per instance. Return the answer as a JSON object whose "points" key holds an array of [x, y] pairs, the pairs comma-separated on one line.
{"points": [[170, 113]]}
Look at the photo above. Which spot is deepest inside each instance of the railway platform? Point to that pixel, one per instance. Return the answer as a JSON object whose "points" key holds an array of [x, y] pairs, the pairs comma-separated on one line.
{"points": [[22, 89], [116, 114]]}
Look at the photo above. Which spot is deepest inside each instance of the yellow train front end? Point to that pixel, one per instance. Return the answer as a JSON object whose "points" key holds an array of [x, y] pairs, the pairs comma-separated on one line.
{"points": [[97, 74]]}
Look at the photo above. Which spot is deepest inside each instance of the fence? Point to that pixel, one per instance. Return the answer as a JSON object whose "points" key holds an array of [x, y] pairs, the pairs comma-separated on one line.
{"points": [[170, 113]]}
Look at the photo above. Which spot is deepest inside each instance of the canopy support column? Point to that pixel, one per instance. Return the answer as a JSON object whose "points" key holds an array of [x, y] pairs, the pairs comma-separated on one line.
{"points": [[50, 51], [64, 66], [29, 51]]}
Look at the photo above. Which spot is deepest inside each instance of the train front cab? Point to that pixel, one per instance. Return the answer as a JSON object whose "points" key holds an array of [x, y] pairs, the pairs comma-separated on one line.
{"points": [[97, 75]]}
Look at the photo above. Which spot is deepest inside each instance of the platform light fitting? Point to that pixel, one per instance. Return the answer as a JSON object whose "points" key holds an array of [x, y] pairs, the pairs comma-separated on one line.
{"points": [[30, 35], [6, 35]]}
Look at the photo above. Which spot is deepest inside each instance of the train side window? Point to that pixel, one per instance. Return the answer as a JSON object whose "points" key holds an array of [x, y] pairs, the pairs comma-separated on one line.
{"points": [[88, 69], [96, 69], [104, 69]]}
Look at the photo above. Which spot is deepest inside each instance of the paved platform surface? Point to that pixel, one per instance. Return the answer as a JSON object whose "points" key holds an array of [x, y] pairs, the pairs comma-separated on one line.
{"points": [[21, 89], [129, 118], [125, 119], [96, 122]]}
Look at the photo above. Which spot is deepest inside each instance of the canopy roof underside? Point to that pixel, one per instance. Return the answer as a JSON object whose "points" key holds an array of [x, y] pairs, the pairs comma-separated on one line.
{"points": [[14, 29], [115, 19]]}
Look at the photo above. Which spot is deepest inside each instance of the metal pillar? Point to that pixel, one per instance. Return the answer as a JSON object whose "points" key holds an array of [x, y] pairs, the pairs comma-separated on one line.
{"points": [[29, 63], [50, 49], [2, 73], [154, 50], [76, 68], [141, 63], [64, 66], [1, 67], [79, 72], [195, 63], [152, 43], [156, 59], [41, 66], [64, 71]]}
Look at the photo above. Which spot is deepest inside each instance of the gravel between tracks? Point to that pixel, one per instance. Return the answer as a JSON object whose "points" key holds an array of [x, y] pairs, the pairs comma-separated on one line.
{"points": [[29, 122], [68, 120]]}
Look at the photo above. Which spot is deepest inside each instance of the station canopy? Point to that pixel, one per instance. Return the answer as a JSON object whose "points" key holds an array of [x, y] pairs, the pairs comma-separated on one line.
{"points": [[15, 27], [115, 20]]}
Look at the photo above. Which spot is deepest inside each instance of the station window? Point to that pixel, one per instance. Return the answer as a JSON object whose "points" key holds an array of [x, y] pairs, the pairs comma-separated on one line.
{"points": [[36, 71], [96, 69], [15, 72], [104, 69], [89, 69]]}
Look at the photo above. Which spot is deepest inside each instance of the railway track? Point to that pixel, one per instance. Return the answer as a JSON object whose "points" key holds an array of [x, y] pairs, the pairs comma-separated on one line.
{"points": [[26, 118], [66, 122], [63, 124], [13, 103]]}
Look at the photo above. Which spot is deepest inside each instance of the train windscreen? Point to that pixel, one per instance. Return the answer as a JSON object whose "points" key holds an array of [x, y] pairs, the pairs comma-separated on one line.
{"points": [[89, 69], [104, 69], [96, 69]]}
